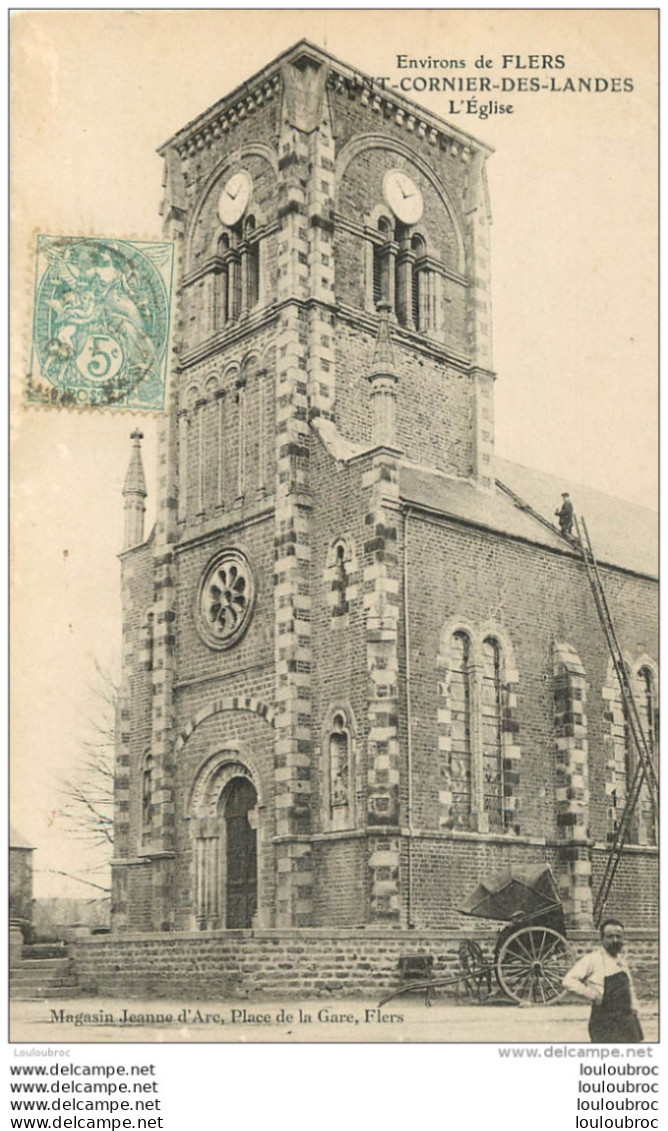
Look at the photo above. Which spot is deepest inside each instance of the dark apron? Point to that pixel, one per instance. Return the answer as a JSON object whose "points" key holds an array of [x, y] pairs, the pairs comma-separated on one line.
{"points": [[614, 1020]]}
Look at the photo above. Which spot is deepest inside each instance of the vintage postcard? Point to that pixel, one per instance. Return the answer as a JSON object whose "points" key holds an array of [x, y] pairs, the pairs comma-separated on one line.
{"points": [[334, 530]]}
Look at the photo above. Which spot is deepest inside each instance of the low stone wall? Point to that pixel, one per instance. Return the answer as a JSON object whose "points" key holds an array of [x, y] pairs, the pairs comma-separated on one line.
{"points": [[293, 963]]}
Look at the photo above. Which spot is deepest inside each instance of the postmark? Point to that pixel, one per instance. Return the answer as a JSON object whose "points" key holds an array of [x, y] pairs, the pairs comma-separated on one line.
{"points": [[101, 323]]}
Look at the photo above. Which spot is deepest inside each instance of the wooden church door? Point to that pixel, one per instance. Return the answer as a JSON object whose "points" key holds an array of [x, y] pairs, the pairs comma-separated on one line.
{"points": [[237, 800]]}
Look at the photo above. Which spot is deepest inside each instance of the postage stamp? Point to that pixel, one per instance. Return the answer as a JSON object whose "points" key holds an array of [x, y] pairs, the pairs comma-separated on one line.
{"points": [[101, 323]]}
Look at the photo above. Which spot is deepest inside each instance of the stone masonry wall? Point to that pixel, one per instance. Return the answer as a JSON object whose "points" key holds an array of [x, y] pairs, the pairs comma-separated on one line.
{"points": [[536, 597], [293, 963], [434, 401], [339, 657]]}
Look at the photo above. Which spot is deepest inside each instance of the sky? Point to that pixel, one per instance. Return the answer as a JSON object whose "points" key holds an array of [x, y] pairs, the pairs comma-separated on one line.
{"points": [[573, 187]]}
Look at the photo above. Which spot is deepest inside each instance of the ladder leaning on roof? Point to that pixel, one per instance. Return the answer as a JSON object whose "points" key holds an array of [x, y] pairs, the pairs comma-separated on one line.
{"points": [[645, 770]]}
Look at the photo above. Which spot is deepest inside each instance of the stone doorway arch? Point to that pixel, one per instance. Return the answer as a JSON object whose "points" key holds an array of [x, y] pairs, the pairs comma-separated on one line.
{"points": [[237, 809], [224, 824]]}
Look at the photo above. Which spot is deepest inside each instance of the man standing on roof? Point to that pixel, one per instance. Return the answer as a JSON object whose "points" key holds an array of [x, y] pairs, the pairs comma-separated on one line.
{"points": [[565, 515], [603, 976]]}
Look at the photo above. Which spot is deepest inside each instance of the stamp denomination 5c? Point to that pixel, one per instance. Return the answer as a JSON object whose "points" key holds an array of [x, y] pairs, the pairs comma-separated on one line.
{"points": [[101, 323]]}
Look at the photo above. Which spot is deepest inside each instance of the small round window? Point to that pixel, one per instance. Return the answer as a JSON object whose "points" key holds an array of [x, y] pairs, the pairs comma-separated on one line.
{"points": [[225, 599]]}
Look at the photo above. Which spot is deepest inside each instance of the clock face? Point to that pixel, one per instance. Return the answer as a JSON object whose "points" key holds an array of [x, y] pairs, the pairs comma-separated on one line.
{"points": [[403, 196], [234, 197]]}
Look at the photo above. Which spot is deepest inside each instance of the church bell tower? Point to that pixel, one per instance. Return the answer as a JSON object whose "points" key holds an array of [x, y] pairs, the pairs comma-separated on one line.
{"points": [[333, 318]]}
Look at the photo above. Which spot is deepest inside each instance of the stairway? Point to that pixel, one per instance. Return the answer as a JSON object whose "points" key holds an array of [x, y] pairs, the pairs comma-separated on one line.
{"points": [[38, 977]]}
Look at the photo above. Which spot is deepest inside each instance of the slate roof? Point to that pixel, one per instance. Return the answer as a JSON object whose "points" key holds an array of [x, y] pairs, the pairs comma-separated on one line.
{"points": [[622, 533]]}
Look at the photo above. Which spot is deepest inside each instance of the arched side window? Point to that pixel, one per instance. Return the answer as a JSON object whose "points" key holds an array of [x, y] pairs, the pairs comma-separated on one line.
{"points": [[340, 583], [645, 692], [643, 822], [338, 770], [147, 642], [478, 733], [458, 772], [147, 799], [492, 735], [630, 755], [341, 577], [647, 702], [622, 758]]}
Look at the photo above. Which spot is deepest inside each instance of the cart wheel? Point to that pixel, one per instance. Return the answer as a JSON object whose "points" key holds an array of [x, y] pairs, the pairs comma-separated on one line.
{"points": [[477, 972], [531, 965]]}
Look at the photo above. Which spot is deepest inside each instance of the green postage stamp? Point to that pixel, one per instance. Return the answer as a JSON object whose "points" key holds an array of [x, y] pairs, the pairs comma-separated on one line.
{"points": [[101, 323]]}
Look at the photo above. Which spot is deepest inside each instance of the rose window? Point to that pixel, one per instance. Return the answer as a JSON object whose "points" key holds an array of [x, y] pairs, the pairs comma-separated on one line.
{"points": [[225, 599]]}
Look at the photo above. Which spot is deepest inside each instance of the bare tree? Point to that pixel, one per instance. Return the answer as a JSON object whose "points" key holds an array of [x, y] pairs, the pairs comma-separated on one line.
{"points": [[86, 794]]}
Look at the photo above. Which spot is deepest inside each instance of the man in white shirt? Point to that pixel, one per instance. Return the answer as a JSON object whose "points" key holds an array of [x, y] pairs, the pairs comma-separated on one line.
{"points": [[603, 976]]}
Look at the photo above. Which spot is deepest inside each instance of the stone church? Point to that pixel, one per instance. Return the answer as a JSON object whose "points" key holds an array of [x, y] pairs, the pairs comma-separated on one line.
{"points": [[361, 666]]}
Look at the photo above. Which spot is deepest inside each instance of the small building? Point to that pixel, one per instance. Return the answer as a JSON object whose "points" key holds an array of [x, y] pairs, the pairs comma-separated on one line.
{"points": [[20, 881], [61, 918]]}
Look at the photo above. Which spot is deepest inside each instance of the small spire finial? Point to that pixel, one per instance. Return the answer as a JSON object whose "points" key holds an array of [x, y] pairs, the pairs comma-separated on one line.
{"points": [[134, 494]]}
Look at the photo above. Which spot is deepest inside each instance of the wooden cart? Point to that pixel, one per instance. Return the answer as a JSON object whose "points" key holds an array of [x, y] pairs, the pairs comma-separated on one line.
{"points": [[531, 954]]}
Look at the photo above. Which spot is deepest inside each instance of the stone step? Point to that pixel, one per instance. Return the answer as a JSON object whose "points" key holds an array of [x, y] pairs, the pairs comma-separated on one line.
{"points": [[42, 965], [40, 977], [40, 992], [45, 950], [36, 978]]}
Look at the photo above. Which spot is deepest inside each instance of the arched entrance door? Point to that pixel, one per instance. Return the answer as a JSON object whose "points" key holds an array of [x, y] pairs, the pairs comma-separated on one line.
{"points": [[236, 808]]}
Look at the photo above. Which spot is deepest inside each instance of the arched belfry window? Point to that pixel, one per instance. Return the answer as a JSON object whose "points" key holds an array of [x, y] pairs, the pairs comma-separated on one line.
{"points": [[460, 753], [419, 289], [239, 270], [147, 799], [252, 263], [492, 735], [406, 275], [223, 303], [384, 255]]}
